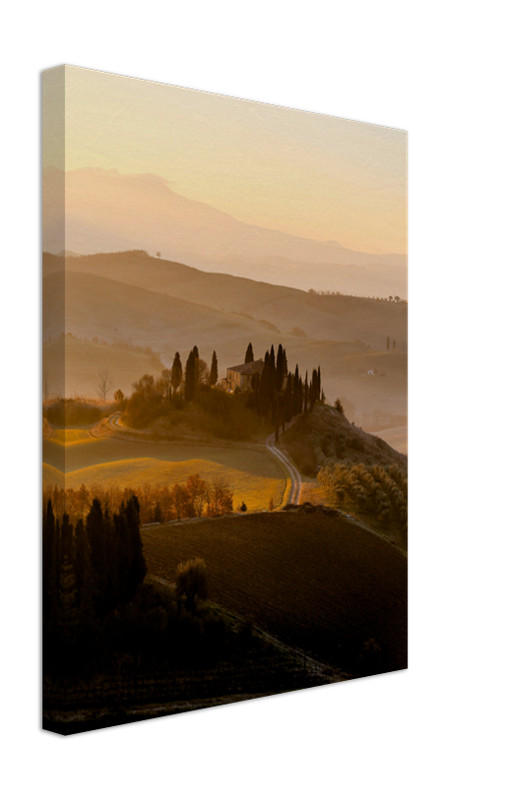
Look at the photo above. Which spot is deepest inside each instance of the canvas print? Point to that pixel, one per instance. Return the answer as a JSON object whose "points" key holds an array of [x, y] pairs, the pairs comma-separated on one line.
{"points": [[224, 391]]}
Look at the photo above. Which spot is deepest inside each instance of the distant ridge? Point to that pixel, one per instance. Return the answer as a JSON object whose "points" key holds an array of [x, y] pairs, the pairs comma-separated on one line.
{"points": [[150, 302], [108, 212]]}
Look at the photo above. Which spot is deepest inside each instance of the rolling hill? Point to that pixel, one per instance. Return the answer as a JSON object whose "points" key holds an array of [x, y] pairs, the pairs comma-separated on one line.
{"points": [[133, 299], [320, 583], [106, 211]]}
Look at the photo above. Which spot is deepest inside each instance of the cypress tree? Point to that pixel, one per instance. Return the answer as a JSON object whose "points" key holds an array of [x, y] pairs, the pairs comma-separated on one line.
{"points": [[272, 372], [196, 367], [82, 572], [249, 357], [288, 398], [176, 372], [98, 555], [313, 389], [124, 553], [296, 381], [54, 586], [263, 391], [280, 368], [48, 535], [272, 385], [213, 370], [137, 566], [112, 554], [255, 386], [306, 394], [189, 381]]}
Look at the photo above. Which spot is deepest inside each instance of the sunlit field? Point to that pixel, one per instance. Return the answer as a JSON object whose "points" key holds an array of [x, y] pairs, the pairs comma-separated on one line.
{"points": [[254, 476], [72, 436]]}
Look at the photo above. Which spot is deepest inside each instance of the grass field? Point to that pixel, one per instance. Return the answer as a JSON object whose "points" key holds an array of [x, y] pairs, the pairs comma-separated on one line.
{"points": [[72, 436], [253, 475], [318, 582]]}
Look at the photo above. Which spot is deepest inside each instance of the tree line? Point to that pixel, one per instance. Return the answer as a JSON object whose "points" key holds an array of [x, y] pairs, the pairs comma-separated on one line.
{"points": [[174, 386], [194, 498], [91, 567], [372, 489], [275, 393], [278, 394], [99, 615]]}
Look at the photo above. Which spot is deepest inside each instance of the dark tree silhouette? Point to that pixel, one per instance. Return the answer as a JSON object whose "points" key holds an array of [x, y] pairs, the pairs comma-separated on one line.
{"points": [[191, 581], [190, 379], [213, 370], [98, 555], [176, 372], [280, 368], [249, 357]]}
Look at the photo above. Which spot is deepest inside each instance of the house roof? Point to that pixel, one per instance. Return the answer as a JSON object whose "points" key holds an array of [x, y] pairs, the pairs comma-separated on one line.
{"points": [[248, 369]]}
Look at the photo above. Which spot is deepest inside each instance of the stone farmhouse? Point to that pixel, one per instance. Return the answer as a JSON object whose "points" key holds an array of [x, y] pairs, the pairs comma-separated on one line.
{"points": [[240, 376]]}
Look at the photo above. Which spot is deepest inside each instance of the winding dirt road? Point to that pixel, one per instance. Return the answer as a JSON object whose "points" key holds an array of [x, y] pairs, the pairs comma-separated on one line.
{"points": [[296, 481]]}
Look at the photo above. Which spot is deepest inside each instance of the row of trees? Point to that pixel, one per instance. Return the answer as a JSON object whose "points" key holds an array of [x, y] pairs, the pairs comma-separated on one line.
{"points": [[197, 373], [373, 490], [100, 617], [195, 497], [278, 395], [175, 384], [328, 293], [171, 380], [89, 568]]}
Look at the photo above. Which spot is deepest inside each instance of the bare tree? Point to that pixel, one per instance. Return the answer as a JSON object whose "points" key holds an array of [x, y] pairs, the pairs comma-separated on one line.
{"points": [[203, 372], [104, 383], [45, 385], [163, 384]]}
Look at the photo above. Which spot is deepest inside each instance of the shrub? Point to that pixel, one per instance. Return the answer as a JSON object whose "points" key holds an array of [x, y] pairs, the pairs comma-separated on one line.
{"points": [[191, 581], [338, 405]]}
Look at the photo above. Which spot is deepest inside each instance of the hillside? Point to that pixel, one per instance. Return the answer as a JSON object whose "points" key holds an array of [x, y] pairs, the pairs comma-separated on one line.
{"points": [[326, 434], [340, 318], [320, 583], [349, 469], [106, 211], [133, 299]]}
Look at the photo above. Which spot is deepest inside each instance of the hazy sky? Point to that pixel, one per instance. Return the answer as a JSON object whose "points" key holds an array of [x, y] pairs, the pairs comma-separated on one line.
{"points": [[310, 175]]}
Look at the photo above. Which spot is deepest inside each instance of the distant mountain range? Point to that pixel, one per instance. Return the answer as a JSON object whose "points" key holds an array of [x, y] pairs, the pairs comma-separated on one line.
{"points": [[109, 212]]}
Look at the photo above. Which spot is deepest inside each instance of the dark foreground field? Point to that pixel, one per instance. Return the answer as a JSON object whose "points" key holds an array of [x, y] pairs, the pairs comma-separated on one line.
{"points": [[316, 582]]}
